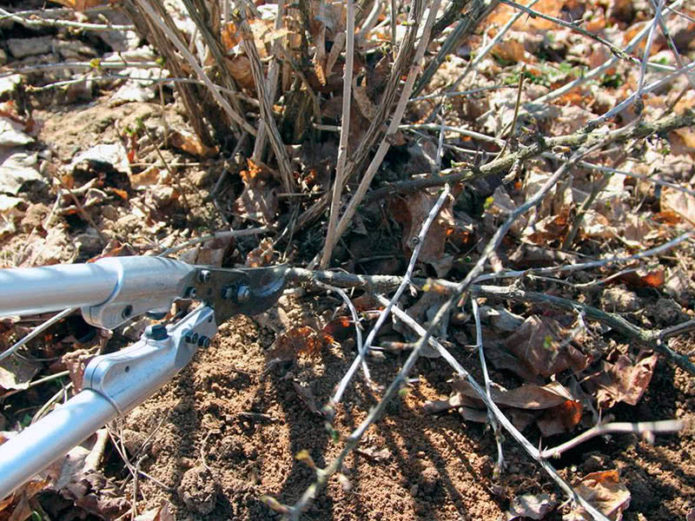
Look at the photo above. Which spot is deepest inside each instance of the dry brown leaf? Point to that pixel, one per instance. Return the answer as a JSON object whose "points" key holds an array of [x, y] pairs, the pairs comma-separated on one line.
{"points": [[300, 340], [679, 202], [528, 396], [605, 491], [540, 345], [161, 513], [261, 255], [411, 212], [190, 143], [259, 200], [531, 506], [16, 373], [623, 381], [644, 278], [559, 419], [81, 5]]}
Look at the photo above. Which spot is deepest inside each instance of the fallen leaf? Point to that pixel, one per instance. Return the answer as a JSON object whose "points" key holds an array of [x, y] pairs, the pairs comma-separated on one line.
{"points": [[259, 200], [82, 5], [16, 373], [161, 513], [411, 211], [643, 278], [190, 143], [113, 155], [17, 169], [604, 491], [540, 344], [623, 381], [261, 255], [679, 202], [300, 340], [531, 506], [527, 396], [560, 419], [375, 454]]}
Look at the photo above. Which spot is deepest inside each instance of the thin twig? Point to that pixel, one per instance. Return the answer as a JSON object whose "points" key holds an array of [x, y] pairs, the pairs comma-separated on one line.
{"points": [[356, 320], [663, 426], [50, 22], [486, 379]]}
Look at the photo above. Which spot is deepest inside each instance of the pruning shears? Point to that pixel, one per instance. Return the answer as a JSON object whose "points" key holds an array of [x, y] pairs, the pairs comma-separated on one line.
{"points": [[109, 292]]}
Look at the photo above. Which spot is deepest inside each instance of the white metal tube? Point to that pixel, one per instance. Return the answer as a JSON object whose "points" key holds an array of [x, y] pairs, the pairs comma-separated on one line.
{"points": [[51, 438], [52, 288]]}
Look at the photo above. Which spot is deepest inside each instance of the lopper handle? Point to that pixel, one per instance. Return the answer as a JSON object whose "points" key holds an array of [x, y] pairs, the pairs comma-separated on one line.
{"points": [[49, 439]]}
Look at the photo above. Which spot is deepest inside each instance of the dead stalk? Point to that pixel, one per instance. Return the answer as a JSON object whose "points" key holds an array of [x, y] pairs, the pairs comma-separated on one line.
{"points": [[393, 125], [193, 62], [283, 160], [339, 181]]}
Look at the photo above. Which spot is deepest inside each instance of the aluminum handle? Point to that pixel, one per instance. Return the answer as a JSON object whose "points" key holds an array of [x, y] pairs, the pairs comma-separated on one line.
{"points": [[51, 438], [110, 291]]}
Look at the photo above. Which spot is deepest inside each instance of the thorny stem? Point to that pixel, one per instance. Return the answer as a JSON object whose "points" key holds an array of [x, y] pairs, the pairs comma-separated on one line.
{"points": [[460, 291]]}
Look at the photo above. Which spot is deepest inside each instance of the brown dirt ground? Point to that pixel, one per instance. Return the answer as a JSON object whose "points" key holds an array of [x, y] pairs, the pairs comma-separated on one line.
{"points": [[226, 432]]}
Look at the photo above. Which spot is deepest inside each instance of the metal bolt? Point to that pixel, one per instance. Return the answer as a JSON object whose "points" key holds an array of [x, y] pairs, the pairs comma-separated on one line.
{"points": [[204, 341], [204, 276], [156, 332], [243, 294], [190, 292], [191, 338], [227, 292], [127, 311]]}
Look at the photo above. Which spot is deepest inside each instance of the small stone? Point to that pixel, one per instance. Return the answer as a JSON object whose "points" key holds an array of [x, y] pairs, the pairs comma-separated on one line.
{"points": [[23, 47], [429, 479], [618, 299]]}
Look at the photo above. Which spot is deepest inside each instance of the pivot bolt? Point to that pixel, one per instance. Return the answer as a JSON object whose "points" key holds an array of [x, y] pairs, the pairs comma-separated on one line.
{"points": [[204, 276], [228, 292], [204, 341], [156, 332], [191, 292]]}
